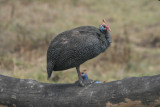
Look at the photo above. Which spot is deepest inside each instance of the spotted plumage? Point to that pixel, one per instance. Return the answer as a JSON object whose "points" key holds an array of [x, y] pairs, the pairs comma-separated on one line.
{"points": [[73, 47]]}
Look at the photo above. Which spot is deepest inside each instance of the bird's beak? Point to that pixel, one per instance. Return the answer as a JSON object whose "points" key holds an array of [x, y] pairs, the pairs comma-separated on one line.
{"points": [[110, 29]]}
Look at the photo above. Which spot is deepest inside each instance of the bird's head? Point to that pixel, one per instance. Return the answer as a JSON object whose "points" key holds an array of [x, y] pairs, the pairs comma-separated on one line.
{"points": [[104, 26]]}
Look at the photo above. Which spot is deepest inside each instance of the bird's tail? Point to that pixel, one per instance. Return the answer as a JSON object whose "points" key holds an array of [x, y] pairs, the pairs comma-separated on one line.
{"points": [[49, 75], [49, 69]]}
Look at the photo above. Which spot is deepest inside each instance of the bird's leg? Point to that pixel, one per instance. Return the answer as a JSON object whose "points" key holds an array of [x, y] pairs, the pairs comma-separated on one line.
{"points": [[79, 76]]}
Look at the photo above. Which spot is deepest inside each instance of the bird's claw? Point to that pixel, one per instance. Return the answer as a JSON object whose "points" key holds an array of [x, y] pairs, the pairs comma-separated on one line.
{"points": [[84, 83], [81, 84]]}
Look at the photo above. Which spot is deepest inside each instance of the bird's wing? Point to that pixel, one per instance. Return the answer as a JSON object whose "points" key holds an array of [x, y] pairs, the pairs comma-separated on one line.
{"points": [[79, 44]]}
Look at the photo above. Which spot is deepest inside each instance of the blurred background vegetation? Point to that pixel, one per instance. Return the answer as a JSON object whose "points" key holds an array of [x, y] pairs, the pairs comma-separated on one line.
{"points": [[28, 26]]}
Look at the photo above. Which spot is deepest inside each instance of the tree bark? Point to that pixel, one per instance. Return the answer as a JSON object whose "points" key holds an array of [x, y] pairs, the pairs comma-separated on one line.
{"points": [[129, 92]]}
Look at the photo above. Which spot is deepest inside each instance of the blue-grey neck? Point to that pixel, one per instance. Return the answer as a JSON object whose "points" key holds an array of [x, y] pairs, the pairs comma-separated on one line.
{"points": [[108, 37], [106, 41]]}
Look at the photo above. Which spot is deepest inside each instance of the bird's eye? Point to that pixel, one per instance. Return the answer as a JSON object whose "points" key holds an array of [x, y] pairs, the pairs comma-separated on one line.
{"points": [[104, 26]]}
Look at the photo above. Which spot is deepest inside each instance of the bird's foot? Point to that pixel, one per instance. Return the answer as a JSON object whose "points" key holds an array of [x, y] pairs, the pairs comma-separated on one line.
{"points": [[81, 84], [84, 82], [88, 82]]}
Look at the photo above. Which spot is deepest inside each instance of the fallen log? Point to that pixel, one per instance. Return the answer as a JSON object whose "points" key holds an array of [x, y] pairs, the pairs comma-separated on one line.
{"points": [[129, 92]]}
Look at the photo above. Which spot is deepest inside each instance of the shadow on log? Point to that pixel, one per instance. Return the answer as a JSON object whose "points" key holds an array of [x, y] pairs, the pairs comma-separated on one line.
{"points": [[129, 92]]}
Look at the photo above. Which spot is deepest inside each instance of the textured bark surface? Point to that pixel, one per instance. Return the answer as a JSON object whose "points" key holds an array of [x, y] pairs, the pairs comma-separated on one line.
{"points": [[129, 92]]}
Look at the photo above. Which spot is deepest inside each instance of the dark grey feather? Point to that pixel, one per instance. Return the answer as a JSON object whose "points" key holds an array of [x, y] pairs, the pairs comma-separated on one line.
{"points": [[73, 47]]}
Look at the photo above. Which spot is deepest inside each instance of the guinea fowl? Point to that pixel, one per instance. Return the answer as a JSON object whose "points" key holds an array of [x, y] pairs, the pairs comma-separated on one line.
{"points": [[73, 47]]}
